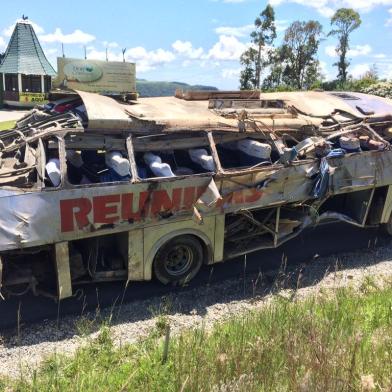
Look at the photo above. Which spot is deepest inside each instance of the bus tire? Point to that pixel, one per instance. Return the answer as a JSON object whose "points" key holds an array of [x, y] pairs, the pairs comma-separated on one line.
{"points": [[178, 260]]}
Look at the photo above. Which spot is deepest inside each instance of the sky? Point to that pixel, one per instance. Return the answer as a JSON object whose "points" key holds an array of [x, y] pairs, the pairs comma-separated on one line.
{"points": [[196, 42]]}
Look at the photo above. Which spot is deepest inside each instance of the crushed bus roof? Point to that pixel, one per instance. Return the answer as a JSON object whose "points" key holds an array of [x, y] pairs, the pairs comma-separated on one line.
{"points": [[290, 109]]}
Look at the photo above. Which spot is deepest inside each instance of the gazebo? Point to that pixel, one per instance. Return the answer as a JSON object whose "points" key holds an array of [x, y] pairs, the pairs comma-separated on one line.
{"points": [[26, 72]]}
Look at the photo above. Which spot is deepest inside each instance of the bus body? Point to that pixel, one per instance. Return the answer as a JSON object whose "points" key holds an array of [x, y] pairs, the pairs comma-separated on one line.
{"points": [[91, 228]]}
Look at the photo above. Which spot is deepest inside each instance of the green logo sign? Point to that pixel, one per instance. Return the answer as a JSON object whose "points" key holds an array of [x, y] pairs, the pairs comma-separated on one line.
{"points": [[82, 71]]}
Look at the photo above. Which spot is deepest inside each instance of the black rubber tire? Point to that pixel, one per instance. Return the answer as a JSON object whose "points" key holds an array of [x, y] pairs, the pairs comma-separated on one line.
{"points": [[165, 267]]}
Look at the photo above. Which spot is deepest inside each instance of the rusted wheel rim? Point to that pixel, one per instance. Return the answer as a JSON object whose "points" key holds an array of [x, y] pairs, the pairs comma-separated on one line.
{"points": [[179, 260]]}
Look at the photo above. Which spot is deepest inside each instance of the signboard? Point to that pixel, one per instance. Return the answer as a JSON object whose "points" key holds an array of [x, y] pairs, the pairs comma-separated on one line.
{"points": [[95, 76], [35, 98]]}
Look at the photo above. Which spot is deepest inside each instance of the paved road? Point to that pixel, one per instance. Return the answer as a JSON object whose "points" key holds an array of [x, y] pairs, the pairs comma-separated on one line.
{"points": [[322, 241], [8, 115]]}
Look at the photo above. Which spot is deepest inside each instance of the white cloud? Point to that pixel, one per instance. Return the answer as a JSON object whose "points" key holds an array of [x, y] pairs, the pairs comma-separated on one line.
{"points": [[322, 6], [145, 60], [234, 1], [51, 51], [108, 44], [2, 43], [330, 51], [231, 73], [359, 70], [359, 50], [326, 71], [355, 51], [154, 57], [380, 56], [388, 22], [9, 30], [185, 48], [243, 31], [328, 7], [227, 48], [76, 37], [281, 25], [240, 31]]}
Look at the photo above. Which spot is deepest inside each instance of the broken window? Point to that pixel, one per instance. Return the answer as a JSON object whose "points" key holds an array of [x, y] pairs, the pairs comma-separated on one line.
{"points": [[246, 151], [90, 160], [49, 167], [172, 155], [19, 167]]}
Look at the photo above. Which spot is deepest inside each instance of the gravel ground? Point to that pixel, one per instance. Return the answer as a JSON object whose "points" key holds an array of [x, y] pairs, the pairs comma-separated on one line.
{"points": [[201, 306]]}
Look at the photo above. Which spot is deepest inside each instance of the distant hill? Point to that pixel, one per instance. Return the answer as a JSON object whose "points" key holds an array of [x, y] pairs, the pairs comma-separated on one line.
{"points": [[165, 89]]}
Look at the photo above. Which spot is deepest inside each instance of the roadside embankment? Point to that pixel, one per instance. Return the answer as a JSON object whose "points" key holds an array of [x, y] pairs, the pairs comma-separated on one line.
{"points": [[323, 326]]}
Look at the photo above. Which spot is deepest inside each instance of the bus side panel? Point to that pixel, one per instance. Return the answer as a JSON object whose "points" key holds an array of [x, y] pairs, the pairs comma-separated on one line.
{"points": [[64, 285], [386, 213], [219, 241], [135, 255]]}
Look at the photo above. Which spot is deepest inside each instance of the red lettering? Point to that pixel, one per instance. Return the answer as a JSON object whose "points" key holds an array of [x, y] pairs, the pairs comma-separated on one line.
{"points": [[127, 212], [106, 209], [189, 197], [200, 191], [238, 197], [67, 213], [162, 202], [254, 195]]}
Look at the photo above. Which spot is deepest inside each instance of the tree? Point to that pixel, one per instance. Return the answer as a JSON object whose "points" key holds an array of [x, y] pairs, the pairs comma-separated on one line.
{"points": [[295, 61], [253, 59], [345, 21], [247, 77]]}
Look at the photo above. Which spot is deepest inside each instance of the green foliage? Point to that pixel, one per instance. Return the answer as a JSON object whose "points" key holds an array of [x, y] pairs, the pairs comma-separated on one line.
{"points": [[345, 21], [247, 77], [164, 89], [382, 89], [295, 62], [257, 56], [338, 343], [362, 84]]}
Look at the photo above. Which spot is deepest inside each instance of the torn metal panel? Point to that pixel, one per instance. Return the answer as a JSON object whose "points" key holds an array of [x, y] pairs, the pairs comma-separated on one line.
{"points": [[64, 285], [234, 205]]}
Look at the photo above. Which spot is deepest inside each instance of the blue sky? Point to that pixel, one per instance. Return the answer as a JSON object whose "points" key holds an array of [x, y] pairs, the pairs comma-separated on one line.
{"points": [[193, 41]]}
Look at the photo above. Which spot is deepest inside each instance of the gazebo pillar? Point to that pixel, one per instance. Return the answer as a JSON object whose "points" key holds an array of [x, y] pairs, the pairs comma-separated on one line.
{"points": [[19, 82], [3, 76], [43, 84]]}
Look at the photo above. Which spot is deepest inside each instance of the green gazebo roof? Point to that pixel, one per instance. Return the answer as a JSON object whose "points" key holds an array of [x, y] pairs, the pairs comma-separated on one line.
{"points": [[24, 54]]}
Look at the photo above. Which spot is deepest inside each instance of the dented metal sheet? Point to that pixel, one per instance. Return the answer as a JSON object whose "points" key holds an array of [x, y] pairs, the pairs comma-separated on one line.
{"points": [[239, 175], [37, 218]]}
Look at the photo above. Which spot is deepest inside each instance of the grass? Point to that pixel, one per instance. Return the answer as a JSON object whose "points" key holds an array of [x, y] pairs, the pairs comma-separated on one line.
{"points": [[7, 125], [343, 343]]}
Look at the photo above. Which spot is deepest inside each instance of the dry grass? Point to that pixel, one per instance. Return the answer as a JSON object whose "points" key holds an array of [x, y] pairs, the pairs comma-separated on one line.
{"points": [[338, 343], [4, 125]]}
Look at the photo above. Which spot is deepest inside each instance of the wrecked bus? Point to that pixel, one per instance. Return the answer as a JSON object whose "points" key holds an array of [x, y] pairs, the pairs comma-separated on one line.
{"points": [[95, 190]]}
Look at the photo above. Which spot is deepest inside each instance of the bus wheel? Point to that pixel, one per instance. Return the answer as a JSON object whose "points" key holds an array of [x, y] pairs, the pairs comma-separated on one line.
{"points": [[179, 260]]}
